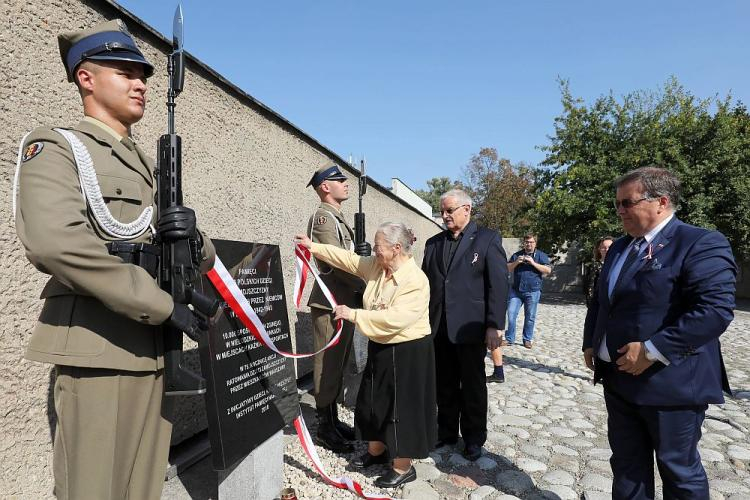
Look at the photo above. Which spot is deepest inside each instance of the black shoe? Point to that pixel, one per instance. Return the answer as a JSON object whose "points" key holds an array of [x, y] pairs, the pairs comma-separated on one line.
{"points": [[445, 442], [494, 379], [393, 479], [327, 437], [367, 460], [472, 452], [344, 431]]}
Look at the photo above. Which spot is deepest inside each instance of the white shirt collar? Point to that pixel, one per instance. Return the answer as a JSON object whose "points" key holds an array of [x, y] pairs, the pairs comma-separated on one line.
{"points": [[649, 236]]}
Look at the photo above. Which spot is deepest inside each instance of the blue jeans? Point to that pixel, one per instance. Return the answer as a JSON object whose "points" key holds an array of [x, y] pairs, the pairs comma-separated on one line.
{"points": [[530, 300]]}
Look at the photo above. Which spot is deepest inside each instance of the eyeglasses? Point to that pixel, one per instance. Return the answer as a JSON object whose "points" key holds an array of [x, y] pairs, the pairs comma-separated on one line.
{"points": [[626, 204], [449, 211]]}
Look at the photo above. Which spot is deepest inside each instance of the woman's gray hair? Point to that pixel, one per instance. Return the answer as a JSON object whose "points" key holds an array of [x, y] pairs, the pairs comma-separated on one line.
{"points": [[459, 194], [397, 232]]}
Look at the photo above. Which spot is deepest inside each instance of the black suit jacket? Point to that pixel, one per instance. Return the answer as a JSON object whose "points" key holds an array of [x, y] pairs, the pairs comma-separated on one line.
{"points": [[473, 292]]}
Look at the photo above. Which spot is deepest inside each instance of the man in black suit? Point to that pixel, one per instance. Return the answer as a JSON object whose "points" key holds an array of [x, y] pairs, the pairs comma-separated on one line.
{"points": [[467, 269]]}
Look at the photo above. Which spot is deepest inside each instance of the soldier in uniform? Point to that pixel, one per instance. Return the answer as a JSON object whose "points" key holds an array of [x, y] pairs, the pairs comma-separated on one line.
{"points": [[327, 225], [85, 216]]}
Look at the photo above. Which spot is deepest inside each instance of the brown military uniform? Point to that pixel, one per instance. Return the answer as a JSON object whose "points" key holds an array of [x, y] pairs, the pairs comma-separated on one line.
{"points": [[327, 225], [99, 322]]}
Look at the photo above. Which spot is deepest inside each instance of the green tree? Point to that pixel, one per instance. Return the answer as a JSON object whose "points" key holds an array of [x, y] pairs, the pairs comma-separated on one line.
{"points": [[704, 141], [502, 192], [436, 187]]}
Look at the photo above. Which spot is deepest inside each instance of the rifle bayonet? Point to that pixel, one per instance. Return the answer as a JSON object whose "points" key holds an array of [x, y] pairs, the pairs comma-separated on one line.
{"points": [[359, 217], [179, 264]]}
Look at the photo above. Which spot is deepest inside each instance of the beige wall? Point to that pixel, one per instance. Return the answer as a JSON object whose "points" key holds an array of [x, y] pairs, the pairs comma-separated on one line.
{"points": [[245, 171]]}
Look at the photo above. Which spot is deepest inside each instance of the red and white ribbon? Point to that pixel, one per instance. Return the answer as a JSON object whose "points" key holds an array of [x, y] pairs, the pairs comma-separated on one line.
{"points": [[343, 483], [233, 296], [303, 262], [227, 287]]}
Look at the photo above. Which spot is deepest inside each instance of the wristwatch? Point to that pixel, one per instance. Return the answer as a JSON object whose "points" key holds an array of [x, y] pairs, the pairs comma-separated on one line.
{"points": [[649, 355]]}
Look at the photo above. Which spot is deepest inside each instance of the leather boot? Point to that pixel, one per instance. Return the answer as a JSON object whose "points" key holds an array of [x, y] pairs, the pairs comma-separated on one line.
{"points": [[327, 436], [343, 429]]}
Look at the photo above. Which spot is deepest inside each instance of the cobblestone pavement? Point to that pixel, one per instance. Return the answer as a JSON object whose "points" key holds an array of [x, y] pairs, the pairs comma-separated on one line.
{"points": [[547, 429]]}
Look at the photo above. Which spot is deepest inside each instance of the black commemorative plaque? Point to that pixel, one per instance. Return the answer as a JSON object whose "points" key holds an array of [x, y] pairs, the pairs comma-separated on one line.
{"points": [[252, 391]]}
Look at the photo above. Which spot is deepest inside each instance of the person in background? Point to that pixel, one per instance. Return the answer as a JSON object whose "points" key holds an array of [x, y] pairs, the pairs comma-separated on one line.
{"points": [[529, 265], [395, 409], [498, 374], [594, 268]]}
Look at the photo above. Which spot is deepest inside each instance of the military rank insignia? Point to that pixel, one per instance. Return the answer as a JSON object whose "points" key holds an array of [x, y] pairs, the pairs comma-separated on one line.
{"points": [[322, 220], [32, 150]]}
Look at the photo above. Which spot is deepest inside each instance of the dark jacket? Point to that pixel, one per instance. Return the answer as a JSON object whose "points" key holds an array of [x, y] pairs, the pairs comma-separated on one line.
{"points": [[473, 292], [679, 295]]}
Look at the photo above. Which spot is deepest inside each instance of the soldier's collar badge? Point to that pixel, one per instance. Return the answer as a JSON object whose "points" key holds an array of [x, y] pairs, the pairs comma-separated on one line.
{"points": [[32, 150]]}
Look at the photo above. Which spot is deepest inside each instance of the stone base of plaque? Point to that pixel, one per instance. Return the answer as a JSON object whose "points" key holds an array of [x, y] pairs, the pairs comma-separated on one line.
{"points": [[260, 475]]}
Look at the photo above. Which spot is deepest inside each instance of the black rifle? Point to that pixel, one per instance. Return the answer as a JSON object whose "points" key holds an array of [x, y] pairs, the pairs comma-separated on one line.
{"points": [[179, 265], [359, 217]]}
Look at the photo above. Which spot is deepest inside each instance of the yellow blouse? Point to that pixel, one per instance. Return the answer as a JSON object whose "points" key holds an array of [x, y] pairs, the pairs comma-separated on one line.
{"points": [[396, 308]]}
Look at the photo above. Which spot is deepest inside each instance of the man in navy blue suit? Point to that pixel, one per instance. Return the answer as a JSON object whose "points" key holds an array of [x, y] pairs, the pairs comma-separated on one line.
{"points": [[665, 296], [467, 269]]}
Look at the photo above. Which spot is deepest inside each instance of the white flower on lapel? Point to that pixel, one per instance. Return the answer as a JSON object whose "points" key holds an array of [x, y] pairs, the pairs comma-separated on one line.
{"points": [[649, 252]]}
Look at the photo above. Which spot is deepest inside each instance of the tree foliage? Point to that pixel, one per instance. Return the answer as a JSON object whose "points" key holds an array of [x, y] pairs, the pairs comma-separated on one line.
{"points": [[706, 142], [435, 187], [502, 192]]}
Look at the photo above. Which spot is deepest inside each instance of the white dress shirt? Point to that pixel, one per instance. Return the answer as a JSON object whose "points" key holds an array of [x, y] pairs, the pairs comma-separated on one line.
{"points": [[612, 279]]}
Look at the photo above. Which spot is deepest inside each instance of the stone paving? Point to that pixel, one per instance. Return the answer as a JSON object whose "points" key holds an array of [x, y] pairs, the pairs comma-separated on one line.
{"points": [[547, 430]]}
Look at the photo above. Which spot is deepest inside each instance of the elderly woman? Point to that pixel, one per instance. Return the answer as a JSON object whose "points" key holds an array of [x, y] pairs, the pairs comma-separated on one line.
{"points": [[395, 409]]}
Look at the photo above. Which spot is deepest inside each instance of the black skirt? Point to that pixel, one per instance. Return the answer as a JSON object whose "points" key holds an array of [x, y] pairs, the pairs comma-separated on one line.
{"points": [[396, 400]]}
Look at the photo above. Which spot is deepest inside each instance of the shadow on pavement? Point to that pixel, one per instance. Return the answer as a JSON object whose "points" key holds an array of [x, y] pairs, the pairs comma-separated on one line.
{"points": [[562, 299], [532, 365], [739, 393], [506, 477]]}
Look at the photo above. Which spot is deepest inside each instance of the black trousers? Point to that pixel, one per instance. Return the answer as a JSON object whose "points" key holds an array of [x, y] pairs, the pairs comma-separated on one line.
{"points": [[461, 389]]}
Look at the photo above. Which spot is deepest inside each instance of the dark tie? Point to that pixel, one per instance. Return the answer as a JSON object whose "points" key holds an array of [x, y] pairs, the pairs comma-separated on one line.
{"points": [[632, 255]]}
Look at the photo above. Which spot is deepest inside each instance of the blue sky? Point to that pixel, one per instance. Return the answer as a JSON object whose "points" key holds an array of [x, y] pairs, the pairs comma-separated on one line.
{"points": [[420, 86]]}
